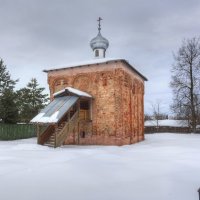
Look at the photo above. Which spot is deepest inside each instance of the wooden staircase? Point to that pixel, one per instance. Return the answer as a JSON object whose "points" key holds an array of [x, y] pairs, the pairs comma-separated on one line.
{"points": [[50, 142], [55, 135]]}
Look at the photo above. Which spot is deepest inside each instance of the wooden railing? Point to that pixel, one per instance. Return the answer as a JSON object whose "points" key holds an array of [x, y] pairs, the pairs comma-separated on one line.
{"points": [[69, 126], [44, 136], [59, 130], [59, 137]]}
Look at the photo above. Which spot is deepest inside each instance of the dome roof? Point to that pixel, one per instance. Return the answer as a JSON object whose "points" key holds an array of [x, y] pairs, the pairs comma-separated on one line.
{"points": [[99, 42]]}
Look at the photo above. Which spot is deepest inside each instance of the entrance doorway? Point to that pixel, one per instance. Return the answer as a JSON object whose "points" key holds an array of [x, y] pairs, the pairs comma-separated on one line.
{"points": [[85, 112]]}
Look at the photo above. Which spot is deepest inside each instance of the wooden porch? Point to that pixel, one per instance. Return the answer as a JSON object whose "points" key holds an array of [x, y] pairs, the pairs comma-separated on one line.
{"points": [[61, 118]]}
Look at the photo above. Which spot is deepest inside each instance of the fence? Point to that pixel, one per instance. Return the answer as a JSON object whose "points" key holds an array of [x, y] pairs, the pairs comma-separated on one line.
{"points": [[169, 129], [17, 131]]}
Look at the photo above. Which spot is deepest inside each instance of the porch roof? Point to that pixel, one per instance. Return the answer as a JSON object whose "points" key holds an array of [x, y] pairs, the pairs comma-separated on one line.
{"points": [[54, 111], [71, 91]]}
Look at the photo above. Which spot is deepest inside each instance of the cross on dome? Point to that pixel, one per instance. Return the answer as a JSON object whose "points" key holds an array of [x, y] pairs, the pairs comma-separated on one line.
{"points": [[99, 44], [99, 20]]}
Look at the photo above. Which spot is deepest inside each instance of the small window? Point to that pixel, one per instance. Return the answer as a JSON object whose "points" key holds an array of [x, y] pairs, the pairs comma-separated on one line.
{"points": [[96, 53], [58, 82], [82, 134], [65, 82]]}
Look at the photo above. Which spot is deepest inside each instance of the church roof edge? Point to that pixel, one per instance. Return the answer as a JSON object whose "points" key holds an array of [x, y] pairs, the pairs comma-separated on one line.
{"points": [[97, 61]]}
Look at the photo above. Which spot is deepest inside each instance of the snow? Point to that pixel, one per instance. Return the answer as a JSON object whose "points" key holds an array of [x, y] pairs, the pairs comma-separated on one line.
{"points": [[87, 62], [73, 91], [163, 167], [40, 118], [167, 122]]}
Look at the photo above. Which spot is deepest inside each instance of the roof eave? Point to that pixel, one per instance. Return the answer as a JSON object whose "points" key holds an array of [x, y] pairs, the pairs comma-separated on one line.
{"points": [[83, 65], [122, 60], [143, 77]]}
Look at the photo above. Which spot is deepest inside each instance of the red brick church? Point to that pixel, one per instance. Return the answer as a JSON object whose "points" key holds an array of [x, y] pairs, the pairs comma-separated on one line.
{"points": [[96, 102]]}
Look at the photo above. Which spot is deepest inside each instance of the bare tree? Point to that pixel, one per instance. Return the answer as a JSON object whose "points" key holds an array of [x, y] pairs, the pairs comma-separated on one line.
{"points": [[147, 117], [157, 114], [185, 81]]}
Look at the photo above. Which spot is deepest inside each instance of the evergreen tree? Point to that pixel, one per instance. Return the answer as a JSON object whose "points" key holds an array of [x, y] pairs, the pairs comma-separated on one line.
{"points": [[8, 107], [5, 79], [31, 100]]}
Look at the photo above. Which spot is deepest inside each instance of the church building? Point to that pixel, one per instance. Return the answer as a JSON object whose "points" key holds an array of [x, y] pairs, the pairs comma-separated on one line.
{"points": [[96, 102]]}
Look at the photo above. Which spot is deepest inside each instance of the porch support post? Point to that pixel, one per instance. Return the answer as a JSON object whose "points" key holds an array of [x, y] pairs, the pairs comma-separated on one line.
{"points": [[78, 122], [38, 132], [55, 131]]}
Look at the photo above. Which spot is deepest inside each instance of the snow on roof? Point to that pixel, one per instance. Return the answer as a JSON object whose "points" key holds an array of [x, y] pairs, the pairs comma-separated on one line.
{"points": [[87, 62], [73, 91], [54, 111], [96, 61], [167, 122]]}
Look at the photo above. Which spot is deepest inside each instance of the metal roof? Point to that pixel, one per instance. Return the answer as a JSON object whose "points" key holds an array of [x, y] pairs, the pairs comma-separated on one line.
{"points": [[53, 112]]}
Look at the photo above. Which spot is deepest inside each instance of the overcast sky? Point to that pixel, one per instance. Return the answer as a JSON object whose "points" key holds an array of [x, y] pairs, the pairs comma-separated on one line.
{"points": [[41, 34]]}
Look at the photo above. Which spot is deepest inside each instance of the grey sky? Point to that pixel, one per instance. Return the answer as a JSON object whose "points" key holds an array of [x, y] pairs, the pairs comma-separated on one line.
{"points": [[41, 34]]}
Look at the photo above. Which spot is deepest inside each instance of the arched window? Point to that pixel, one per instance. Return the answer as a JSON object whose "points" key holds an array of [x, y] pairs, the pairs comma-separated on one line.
{"points": [[60, 84], [97, 53]]}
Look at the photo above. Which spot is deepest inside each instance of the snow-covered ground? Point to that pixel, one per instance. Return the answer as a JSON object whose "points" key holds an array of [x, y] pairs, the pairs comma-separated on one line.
{"points": [[163, 167], [167, 122]]}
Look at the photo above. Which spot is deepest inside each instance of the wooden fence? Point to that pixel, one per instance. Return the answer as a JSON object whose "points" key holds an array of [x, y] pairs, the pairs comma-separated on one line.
{"points": [[17, 131], [168, 129], [162, 129]]}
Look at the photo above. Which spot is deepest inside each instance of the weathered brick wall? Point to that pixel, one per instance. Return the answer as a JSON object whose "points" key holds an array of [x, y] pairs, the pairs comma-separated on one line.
{"points": [[117, 108]]}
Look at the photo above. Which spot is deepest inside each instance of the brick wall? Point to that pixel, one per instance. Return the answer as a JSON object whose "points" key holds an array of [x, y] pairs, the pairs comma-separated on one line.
{"points": [[118, 105]]}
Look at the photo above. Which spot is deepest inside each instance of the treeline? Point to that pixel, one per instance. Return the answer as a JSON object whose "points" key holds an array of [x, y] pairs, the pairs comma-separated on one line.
{"points": [[19, 106]]}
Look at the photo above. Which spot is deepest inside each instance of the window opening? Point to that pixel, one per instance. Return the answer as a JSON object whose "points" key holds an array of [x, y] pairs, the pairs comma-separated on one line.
{"points": [[97, 53]]}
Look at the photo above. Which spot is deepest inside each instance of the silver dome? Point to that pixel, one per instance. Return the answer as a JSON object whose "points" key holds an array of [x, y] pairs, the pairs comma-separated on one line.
{"points": [[99, 42]]}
